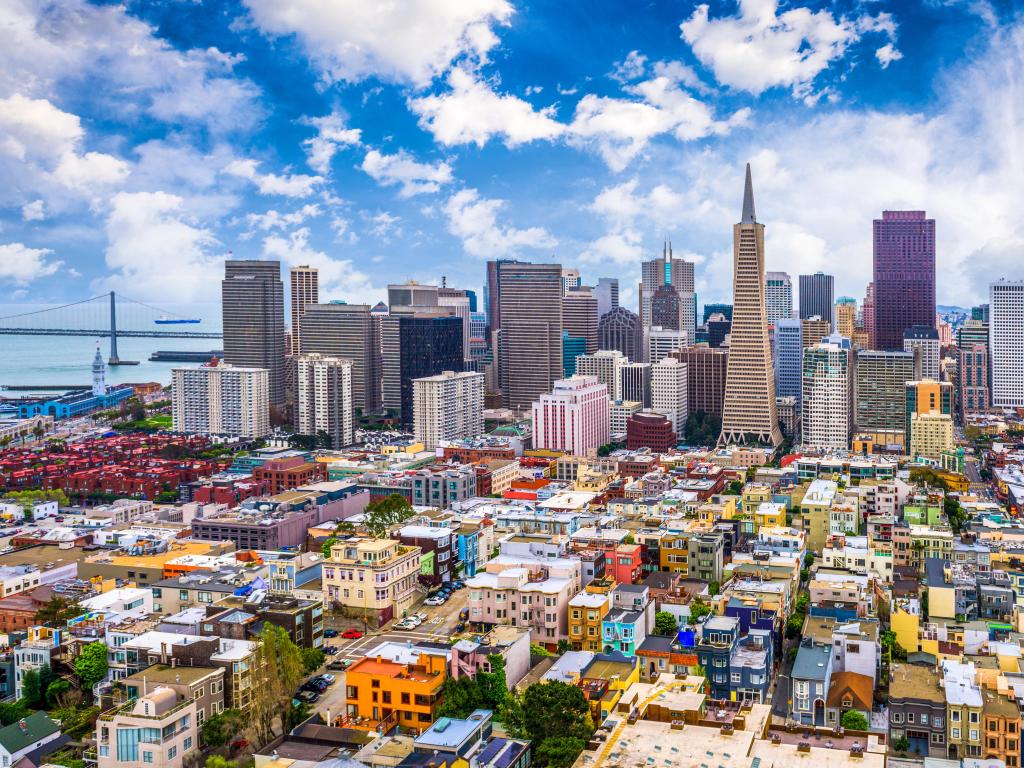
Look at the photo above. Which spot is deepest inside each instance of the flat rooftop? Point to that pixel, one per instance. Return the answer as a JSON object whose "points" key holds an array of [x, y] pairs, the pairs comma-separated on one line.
{"points": [[164, 674], [42, 555]]}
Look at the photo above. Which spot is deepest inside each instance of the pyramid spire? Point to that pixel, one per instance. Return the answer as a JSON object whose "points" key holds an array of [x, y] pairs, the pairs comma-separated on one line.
{"points": [[748, 200]]}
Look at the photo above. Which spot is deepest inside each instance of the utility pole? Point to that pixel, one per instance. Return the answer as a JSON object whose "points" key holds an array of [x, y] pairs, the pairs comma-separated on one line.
{"points": [[114, 359]]}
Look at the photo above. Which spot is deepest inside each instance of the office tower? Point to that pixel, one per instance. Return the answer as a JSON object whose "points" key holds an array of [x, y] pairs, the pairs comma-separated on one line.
{"points": [[458, 303], [667, 308], [945, 331], [412, 294], [879, 393], [351, 332], [619, 413], [929, 422], [789, 415], [668, 391], [825, 397], [659, 342], [572, 347], [846, 316], [530, 336], [415, 344], [579, 316], [635, 383], [252, 305], [924, 340], [789, 350], [573, 417], [904, 275], [305, 290], [607, 294], [749, 411], [717, 309], [324, 397], [973, 378], [221, 399], [816, 296], [448, 406], [718, 327], [814, 329], [620, 329], [869, 314], [980, 312], [666, 270], [651, 430], [604, 365], [778, 296], [570, 279], [1006, 343], [706, 371]]}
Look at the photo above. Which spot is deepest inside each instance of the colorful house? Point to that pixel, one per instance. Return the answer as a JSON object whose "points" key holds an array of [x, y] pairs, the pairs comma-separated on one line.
{"points": [[381, 695]]}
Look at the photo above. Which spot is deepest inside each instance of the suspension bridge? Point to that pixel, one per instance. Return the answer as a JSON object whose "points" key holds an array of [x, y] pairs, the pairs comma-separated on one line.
{"points": [[99, 316]]}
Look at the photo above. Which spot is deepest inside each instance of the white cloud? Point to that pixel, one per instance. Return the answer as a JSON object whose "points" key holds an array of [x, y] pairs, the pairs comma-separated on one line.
{"points": [[887, 54], [295, 185], [402, 40], [620, 129], [20, 264], [34, 211], [41, 145], [331, 136], [383, 224], [73, 42], [471, 113], [276, 220], [401, 169], [474, 220], [633, 67], [157, 250], [338, 277], [760, 48], [623, 248]]}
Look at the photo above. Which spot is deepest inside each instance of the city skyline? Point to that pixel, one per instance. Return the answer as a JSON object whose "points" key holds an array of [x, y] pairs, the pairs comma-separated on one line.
{"points": [[631, 144]]}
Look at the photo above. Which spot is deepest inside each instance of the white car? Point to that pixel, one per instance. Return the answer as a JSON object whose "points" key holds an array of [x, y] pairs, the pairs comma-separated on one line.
{"points": [[434, 601], [405, 624]]}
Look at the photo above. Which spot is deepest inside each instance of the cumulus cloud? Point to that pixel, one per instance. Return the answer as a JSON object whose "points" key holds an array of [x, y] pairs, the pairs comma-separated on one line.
{"points": [[761, 48], [34, 211], [21, 265], [474, 220], [632, 67], [276, 220], [294, 185], [887, 54], [331, 135], [156, 248], [413, 178], [470, 112], [408, 41], [338, 277]]}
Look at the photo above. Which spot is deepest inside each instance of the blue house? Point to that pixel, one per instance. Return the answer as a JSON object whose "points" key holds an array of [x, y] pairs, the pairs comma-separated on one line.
{"points": [[750, 667], [623, 631], [468, 543], [753, 615], [811, 676], [717, 638]]}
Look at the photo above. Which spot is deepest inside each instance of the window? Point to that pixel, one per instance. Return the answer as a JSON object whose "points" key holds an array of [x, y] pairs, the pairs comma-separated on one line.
{"points": [[187, 743], [897, 717], [172, 753], [955, 733], [910, 717], [147, 757]]}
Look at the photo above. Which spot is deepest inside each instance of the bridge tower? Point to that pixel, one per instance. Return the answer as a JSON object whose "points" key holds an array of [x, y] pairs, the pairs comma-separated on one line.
{"points": [[114, 359]]}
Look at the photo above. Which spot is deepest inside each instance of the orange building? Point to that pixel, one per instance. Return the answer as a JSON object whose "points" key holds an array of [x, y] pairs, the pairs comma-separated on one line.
{"points": [[381, 694], [1002, 728]]}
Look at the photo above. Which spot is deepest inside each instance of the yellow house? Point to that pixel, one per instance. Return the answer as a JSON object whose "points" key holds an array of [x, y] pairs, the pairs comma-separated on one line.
{"points": [[673, 555], [755, 494], [586, 611], [767, 514], [722, 508], [905, 622], [605, 680]]}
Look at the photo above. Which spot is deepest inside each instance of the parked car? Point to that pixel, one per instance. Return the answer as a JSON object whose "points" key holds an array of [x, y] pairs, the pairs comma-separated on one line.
{"points": [[328, 678], [458, 584], [330, 633], [330, 650], [414, 619], [421, 616], [404, 624], [339, 666], [435, 600], [308, 697], [352, 634]]}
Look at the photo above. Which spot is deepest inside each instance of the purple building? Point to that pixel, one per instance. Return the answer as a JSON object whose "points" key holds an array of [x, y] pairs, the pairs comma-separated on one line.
{"points": [[904, 276]]}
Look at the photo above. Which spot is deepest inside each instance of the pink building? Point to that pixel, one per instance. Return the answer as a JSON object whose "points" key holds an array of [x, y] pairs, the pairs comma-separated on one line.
{"points": [[574, 417]]}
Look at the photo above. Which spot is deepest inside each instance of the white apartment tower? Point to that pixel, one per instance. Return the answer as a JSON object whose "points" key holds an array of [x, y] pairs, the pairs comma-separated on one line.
{"points": [[660, 342], [606, 365], [573, 417], [778, 296], [305, 290], [1006, 343], [825, 406], [448, 406], [220, 399], [324, 397], [668, 391]]}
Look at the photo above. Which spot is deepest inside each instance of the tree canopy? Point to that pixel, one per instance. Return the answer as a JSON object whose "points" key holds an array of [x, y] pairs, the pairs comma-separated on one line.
{"points": [[703, 428], [381, 514], [664, 623], [279, 668], [91, 664], [854, 720]]}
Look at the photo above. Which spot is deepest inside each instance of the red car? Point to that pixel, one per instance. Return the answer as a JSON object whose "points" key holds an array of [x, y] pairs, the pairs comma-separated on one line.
{"points": [[351, 634]]}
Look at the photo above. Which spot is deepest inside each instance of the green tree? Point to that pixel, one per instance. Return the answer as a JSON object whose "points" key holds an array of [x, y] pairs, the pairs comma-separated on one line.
{"points": [[278, 666], [714, 588], [854, 720], [698, 610], [325, 548], [735, 488], [459, 697], [664, 623], [556, 709], [702, 428], [295, 714], [808, 560], [91, 664], [540, 651], [493, 686], [56, 692], [218, 761], [558, 751], [13, 711], [563, 646], [312, 659], [221, 728], [384, 513], [32, 689], [902, 744]]}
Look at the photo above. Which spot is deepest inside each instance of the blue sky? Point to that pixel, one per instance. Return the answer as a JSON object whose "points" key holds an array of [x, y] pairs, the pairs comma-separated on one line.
{"points": [[141, 142]]}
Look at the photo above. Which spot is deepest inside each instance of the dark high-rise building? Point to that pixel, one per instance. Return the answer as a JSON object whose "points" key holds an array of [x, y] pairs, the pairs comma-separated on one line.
{"points": [[529, 313], [904, 276], [414, 345], [349, 331], [718, 327], [252, 306], [493, 291], [620, 329], [650, 429], [705, 377], [722, 309], [817, 296], [667, 309], [579, 316]]}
